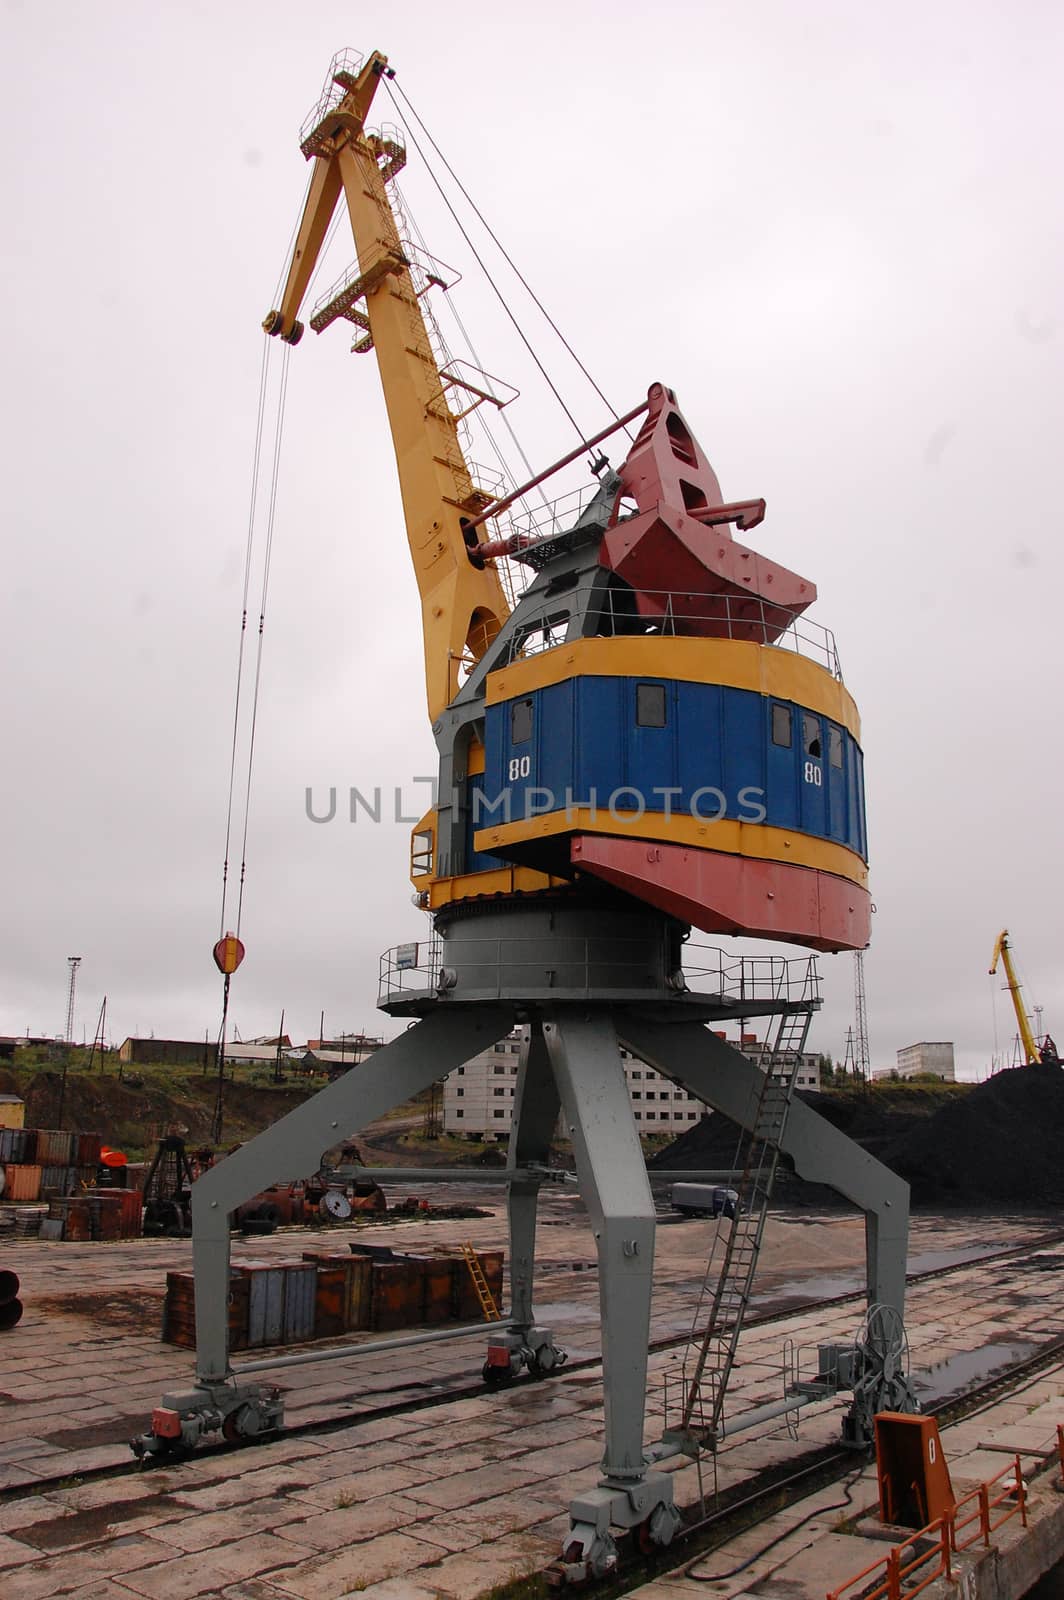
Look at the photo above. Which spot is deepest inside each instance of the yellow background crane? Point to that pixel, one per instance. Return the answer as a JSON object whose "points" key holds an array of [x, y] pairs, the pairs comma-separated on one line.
{"points": [[1002, 952]]}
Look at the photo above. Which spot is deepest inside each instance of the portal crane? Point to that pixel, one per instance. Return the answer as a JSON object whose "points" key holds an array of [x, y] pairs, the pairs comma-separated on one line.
{"points": [[647, 742], [1033, 1053]]}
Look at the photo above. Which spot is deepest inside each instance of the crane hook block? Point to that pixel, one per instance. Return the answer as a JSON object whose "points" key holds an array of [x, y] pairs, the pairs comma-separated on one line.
{"points": [[228, 954]]}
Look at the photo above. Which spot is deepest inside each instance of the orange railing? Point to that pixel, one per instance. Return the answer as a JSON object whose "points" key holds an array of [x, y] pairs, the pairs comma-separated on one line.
{"points": [[985, 1502], [901, 1564], [948, 1534]]}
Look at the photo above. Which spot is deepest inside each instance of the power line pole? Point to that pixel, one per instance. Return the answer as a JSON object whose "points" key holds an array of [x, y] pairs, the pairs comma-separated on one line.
{"points": [[73, 962], [861, 1058]]}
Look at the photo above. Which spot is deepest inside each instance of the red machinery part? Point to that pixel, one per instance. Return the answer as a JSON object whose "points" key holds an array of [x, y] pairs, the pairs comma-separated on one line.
{"points": [[677, 553], [166, 1424], [733, 894]]}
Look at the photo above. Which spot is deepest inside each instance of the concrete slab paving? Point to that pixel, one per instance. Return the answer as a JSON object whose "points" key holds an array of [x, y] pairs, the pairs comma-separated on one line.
{"points": [[443, 1501]]}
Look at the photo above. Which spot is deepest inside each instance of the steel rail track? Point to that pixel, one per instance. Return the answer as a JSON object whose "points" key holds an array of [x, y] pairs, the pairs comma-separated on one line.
{"points": [[464, 1390], [773, 1490]]}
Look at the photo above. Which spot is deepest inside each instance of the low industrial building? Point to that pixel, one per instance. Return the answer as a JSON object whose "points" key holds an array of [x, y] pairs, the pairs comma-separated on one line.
{"points": [[169, 1052]]}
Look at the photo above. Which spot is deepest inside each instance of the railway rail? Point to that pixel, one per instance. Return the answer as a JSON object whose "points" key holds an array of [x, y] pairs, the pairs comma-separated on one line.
{"points": [[462, 1388]]}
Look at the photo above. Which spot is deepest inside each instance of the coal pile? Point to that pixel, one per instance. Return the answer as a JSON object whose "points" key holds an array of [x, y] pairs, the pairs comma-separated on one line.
{"points": [[999, 1141]]}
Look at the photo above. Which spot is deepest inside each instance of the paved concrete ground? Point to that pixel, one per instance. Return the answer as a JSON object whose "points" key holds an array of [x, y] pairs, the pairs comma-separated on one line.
{"points": [[442, 1501]]}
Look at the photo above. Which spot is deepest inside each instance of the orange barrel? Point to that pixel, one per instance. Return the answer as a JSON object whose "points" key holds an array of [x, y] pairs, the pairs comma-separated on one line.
{"points": [[22, 1182]]}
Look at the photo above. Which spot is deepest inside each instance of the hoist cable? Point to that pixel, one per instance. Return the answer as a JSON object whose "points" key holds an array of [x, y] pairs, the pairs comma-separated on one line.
{"points": [[493, 236], [287, 258], [267, 554], [248, 551], [580, 432]]}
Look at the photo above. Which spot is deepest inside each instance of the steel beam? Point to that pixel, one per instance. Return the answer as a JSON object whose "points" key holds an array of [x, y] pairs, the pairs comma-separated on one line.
{"points": [[609, 1161], [535, 1115], [716, 1073]]}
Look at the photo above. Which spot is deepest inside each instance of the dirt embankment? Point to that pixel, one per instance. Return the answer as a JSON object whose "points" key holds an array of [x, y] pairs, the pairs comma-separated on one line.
{"points": [[133, 1116], [999, 1141]]}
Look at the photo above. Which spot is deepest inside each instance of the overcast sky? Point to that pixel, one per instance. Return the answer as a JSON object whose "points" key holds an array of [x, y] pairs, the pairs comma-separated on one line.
{"points": [[834, 230]]}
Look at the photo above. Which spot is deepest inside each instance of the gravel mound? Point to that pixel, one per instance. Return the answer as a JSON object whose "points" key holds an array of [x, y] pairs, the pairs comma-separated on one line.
{"points": [[998, 1141]]}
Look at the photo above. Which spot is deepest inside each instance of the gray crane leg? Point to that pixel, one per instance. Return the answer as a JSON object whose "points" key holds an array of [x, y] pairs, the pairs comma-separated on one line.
{"points": [[293, 1148], [719, 1075], [536, 1107], [598, 1114]]}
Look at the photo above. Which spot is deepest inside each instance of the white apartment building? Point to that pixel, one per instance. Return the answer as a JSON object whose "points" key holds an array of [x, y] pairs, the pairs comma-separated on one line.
{"points": [[934, 1056], [478, 1098]]}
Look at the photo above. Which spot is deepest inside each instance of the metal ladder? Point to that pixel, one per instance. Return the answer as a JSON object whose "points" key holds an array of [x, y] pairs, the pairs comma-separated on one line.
{"points": [[480, 1284], [727, 1294]]}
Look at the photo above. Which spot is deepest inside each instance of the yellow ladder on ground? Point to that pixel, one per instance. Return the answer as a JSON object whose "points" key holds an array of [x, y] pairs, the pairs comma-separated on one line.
{"points": [[480, 1284]]}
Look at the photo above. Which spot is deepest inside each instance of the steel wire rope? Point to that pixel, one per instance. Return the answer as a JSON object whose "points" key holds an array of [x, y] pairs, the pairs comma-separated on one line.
{"points": [[478, 258], [266, 559], [453, 309], [493, 236], [248, 552]]}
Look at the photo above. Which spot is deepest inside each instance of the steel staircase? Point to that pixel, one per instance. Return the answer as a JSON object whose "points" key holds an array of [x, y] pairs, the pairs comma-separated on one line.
{"points": [[730, 1271], [480, 1284]]}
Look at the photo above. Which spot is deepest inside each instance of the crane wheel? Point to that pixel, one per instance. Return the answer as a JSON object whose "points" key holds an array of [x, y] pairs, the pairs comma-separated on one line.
{"points": [[295, 335], [272, 322]]}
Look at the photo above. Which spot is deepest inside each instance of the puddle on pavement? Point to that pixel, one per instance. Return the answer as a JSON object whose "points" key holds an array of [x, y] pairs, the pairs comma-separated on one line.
{"points": [[969, 1367]]}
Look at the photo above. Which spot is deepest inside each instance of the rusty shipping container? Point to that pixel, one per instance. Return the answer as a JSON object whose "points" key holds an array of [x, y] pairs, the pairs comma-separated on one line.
{"points": [[397, 1294], [299, 1297], [179, 1310], [265, 1302], [331, 1292], [12, 1145], [88, 1150], [22, 1182], [438, 1288], [54, 1147], [131, 1210]]}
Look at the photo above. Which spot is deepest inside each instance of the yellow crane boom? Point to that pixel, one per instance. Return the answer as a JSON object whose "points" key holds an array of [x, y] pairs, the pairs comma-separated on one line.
{"points": [[1002, 949], [462, 607]]}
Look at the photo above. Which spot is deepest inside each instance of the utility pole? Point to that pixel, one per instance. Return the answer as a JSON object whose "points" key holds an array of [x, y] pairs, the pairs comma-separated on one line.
{"points": [[98, 1036], [861, 1060], [277, 1074], [73, 962]]}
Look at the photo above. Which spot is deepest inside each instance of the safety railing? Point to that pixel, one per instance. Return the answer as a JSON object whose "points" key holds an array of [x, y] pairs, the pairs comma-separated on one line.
{"points": [[992, 1504], [343, 69], [585, 964], [904, 1562], [622, 613], [975, 1517]]}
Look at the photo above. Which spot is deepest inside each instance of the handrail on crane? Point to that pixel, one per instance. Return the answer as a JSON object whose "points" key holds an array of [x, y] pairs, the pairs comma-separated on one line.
{"points": [[1002, 951]]}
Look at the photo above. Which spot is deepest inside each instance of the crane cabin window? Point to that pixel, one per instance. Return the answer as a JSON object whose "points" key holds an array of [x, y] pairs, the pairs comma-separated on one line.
{"points": [[521, 722], [650, 705], [781, 725], [811, 735], [835, 746]]}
